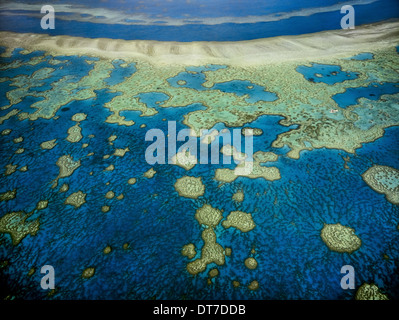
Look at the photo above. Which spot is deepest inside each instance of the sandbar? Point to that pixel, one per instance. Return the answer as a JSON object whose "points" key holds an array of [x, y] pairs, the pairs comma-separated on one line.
{"points": [[260, 51]]}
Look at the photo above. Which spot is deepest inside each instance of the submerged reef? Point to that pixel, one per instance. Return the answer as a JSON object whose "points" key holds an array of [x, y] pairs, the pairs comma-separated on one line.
{"points": [[42, 205], [79, 117], [239, 220], [251, 263], [189, 251], [66, 166], [238, 196], [253, 170], [150, 173], [211, 252], [248, 131], [252, 228], [64, 188], [316, 127], [384, 180], [370, 292], [121, 152], [184, 159], [254, 285], [132, 181], [74, 134], [340, 238], [209, 216], [8, 195], [76, 199], [10, 169], [48, 144], [190, 187], [232, 101], [88, 272], [16, 225], [107, 250]]}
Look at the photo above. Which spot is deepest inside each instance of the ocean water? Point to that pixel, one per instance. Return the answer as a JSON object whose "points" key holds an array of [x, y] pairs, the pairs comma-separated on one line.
{"points": [[363, 56], [148, 227], [155, 222], [373, 92], [194, 78], [191, 21], [325, 73]]}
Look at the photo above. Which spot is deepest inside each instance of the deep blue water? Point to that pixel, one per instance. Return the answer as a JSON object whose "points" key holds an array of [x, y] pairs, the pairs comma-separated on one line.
{"points": [[373, 92], [293, 261], [229, 31], [194, 8], [331, 74], [194, 78], [328, 74]]}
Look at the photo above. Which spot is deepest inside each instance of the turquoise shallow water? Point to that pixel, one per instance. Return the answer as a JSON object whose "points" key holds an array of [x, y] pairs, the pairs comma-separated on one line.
{"points": [[293, 261], [119, 74], [362, 56]]}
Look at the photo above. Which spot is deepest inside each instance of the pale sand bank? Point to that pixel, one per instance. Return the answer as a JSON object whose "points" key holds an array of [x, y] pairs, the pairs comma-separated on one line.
{"points": [[337, 43]]}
